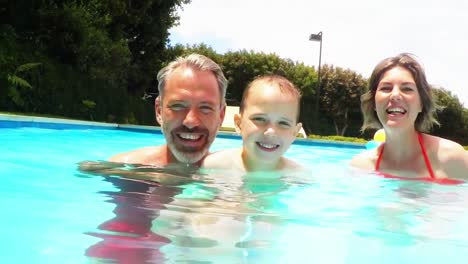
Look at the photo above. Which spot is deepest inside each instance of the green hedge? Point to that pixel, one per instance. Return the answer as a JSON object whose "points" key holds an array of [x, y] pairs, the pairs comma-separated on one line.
{"points": [[338, 138], [347, 139]]}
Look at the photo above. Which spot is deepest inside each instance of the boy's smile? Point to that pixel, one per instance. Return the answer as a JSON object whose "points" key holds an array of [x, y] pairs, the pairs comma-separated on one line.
{"points": [[268, 124]]}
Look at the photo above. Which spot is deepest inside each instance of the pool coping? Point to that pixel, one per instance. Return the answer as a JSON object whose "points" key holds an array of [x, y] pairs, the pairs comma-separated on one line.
{"points": [[59, 123]]}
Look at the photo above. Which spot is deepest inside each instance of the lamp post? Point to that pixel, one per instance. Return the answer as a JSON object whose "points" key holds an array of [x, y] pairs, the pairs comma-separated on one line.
{"points": [[317, 37]]}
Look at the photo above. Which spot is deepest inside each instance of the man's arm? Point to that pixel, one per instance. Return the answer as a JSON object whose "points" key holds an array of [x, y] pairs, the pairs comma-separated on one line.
{"points": [[169, 175], [97, 166]]}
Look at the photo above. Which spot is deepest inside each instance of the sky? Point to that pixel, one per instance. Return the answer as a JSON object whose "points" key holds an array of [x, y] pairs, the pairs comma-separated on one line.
{"points": [[356, 34]]}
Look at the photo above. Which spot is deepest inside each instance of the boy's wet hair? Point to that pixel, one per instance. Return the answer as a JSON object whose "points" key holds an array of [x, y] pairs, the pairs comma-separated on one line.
{"points": [[281, 82], [426, 119]]}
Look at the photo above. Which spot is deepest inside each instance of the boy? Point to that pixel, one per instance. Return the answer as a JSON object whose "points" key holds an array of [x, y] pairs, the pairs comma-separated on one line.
{"points": [[267, 121]]}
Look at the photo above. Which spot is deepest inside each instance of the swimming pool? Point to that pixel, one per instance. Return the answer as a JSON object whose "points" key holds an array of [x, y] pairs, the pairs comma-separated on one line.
{"points": [[51, 213]]}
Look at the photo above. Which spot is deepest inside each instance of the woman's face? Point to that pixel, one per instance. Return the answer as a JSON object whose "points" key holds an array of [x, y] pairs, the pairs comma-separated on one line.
{"points": [[397, 100]]}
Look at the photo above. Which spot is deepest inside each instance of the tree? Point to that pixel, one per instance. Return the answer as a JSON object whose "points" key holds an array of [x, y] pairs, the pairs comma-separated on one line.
{"points": [[144, 24], [451, 116], [241, 67], [306, 79], [340, 97], [202, 48], [16, 84], [105, 51]]}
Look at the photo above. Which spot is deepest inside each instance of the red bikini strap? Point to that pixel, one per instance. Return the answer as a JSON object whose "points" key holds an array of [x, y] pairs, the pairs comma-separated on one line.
{"points": [[426, 158], [379, 158]]}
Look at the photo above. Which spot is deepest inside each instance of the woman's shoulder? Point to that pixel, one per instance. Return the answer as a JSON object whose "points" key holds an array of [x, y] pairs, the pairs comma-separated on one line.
{"points": [[452, 156], [444, 146], [365, 160]]}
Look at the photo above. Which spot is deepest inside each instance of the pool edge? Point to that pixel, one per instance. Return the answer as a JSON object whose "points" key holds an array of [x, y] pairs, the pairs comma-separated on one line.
{"points": [[59, 123]]}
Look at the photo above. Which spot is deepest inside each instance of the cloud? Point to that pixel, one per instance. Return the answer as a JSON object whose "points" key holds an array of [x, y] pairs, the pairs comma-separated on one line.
{"points": [[356, 34]]}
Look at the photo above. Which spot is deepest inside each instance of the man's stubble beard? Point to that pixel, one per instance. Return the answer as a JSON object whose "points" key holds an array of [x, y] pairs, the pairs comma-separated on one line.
{"points": [[188, 157]]}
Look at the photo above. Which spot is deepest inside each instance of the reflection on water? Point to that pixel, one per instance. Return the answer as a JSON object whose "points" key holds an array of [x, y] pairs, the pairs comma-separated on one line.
{"points": [[127, 238], [326, 215], [226, 217]]}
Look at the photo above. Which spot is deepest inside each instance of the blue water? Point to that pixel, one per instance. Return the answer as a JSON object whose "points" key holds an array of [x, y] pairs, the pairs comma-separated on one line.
{"points": [[51, 213]]}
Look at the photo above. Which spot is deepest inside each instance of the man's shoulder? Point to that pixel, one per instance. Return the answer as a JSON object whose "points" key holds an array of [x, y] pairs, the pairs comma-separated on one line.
{"points": [[146, 155]]}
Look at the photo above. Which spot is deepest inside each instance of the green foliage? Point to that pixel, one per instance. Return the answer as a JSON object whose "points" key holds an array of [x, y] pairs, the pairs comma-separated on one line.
{"points": [[304, 77], [17, 81], [15, 96], [27, 67], [88, 104], [241, 67], [203, 49], [78, 36], [144, 25], [101, 51], [98, 57], [452, 116], [338, 138], [340, 96], [341, 89], [18, 85], [88, 107]]}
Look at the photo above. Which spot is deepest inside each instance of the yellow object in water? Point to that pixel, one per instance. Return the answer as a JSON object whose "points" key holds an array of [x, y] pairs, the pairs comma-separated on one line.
{"points": [[379, 136]]}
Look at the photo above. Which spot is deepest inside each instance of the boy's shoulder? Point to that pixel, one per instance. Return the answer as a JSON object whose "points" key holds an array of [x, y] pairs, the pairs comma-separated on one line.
{"points": [[289, 164], [223, 159]]}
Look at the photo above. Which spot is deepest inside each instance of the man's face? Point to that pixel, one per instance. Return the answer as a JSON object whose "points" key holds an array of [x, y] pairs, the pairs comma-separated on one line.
{"points": [[190, 113]]}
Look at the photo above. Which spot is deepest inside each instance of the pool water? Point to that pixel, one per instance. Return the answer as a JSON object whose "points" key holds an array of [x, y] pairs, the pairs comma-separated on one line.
{"points": [[52, 213]]}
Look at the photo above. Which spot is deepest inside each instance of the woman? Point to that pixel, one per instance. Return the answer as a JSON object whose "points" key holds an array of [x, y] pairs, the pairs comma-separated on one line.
{"points": [[399, 99]]}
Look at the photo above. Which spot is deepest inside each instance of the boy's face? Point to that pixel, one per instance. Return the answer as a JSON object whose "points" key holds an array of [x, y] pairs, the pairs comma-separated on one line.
{"points": [[268, 124]]}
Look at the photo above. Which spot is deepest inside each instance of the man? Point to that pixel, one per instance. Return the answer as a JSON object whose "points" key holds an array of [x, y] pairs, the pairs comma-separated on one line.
{"points": [[190, 109]]}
